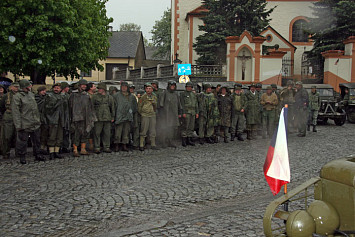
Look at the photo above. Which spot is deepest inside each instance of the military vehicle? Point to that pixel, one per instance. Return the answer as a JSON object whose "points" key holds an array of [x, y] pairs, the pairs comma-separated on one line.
{"points": [[330, 107], [322, 206], [349, 102]]}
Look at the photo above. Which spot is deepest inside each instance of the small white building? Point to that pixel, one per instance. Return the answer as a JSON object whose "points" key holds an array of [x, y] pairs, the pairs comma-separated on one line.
{"points": [[286, 30]]}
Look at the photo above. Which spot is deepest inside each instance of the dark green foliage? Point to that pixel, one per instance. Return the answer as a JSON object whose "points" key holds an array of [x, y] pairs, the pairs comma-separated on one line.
{"points": [[228, 18], [162, 36], [61, 36]]}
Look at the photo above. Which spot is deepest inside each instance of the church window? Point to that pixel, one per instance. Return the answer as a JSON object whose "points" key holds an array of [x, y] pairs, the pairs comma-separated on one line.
{"points": [[299, 33]]}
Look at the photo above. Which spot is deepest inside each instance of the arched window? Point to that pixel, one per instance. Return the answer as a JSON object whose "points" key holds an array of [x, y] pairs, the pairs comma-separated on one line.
{"points": [[298, 31]]}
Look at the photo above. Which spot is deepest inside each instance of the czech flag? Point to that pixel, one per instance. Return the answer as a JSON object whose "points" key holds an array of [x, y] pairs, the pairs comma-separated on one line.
{"points": [[276, 166]]}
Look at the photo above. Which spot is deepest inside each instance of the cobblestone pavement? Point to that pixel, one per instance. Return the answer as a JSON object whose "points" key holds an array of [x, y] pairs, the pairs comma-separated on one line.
{"points": [[209, 190]]}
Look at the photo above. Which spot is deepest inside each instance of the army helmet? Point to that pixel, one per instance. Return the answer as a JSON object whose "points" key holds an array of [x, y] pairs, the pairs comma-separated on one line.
{"points": [[24, 83], [124, 83], [289, 83], [171, 82], [299, 83], [82, 82], [269, 88], [132, 86], [57, 84], [313, 87], [64, 85], [101, 86], [252, 85], [156, 82], [258, 85], [148, 84], [238, 86], [189, 83], [207, 85]]}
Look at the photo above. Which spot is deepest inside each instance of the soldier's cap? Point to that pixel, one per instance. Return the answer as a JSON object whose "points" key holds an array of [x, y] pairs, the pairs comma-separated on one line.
{"points": [[269, 88], [224, 86], [15, 84], [141, 92], [207, 85], [82, 82], [42, 88], [101, 86], [124, 83], [252, 85], [64, 85], [189, 84], [132, 86], [148, 85], [238, 86], [313, 87], [258, 85], [290, 83], [299, 83], [24, 83], [112, 88], [273, 85], [155, 82], [57, 84], [171, 82]]}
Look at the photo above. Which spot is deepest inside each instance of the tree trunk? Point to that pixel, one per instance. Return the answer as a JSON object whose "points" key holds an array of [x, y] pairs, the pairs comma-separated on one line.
{"points": [[38, 77]]}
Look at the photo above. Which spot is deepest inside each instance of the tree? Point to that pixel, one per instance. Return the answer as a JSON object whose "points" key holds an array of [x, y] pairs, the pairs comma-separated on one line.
{"points": [[41, 38], [228, 18], [130, 27], [162, 36], [334, 22]]}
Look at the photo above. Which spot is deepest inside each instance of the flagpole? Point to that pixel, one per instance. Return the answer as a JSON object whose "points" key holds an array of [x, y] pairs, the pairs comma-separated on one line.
{"points": [[285, 185]]}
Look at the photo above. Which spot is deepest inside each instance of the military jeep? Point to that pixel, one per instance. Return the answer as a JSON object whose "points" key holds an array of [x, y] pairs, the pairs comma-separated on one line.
{"points": [[330, 104], [348, 99]]}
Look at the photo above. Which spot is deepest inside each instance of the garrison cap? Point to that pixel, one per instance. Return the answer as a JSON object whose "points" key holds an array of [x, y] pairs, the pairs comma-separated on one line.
{"points": [[273, 85], [82, 82], [101, 86], [64, 85]]}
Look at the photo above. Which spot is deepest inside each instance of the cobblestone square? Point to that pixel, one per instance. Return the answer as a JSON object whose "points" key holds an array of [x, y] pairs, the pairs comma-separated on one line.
{"points": [[208, 190]]}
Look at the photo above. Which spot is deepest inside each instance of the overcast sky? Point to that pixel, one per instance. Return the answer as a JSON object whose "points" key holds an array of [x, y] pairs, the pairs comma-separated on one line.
{"points": [[140, 12]]}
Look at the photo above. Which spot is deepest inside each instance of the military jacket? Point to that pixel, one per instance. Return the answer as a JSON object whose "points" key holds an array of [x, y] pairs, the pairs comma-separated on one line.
{"points": [[66, 112], [301, 99], [53, 109], [189, 103], [226, 110], [287, 96], [5, 106], [314, 101], [269, 102], [209, 108], [252, 107], [147, 105], [40, 103], [104, 107], [126, 106], [158, 94], [238, 102], [25, 111], [170, 108]]}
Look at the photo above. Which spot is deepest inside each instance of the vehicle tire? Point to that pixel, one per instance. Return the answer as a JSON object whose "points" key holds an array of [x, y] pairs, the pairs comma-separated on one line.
{"points": [[340, 121], [351, 115], [325, 121]]}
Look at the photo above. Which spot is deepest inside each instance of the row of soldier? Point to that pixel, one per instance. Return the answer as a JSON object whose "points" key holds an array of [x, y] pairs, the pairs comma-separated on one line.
{"points": [[114, 119]]}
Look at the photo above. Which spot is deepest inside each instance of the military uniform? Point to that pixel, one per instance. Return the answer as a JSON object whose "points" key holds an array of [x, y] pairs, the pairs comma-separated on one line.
{"points": [[314, 105], [252, 113], [135, 125], [226, 113], [53, 113], [44, 126], [287, 96], [189, 106], [83, 118], [170, 111], [208, 115], [8, 131], [147, 107], [104, 107], [159, 122], [269, 103], [278, 107], [301, 110], [66, 129], [27, 122], [238, 120], [126, 106]]}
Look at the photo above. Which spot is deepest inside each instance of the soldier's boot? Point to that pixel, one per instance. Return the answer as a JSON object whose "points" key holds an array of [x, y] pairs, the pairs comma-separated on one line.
{"points": [[240, 137], [232, 136], [314, 128], [91, 145], [216, 139], [75, 151], [56, 153], [225, 139], [40, 157], [190, 141], [209, 140], [51, 153], [202, 141], [249, 135], [83, 150], [183, 141], [308, 127], [141, 143], [153, 145], [125, 148], [23, 160]]}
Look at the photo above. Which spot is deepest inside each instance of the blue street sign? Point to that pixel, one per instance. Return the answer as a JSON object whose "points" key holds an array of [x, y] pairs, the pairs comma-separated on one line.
{"points": [[184, 69]]}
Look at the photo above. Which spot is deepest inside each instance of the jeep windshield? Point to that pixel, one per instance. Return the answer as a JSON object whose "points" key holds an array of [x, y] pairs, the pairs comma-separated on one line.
{"points": [[352, 92], [326, 92]]}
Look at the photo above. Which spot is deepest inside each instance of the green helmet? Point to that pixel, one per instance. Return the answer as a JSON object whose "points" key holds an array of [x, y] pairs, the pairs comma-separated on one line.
{"points": [[64, 85], [238, 86], [156, 82], [289, 83], [132, 86], [299, 83], [207, 85], [258, 85], [171, 82], [24, 83], [101, 86], [269, 88], [124, 83], [148, 84], [82, 82], [189, 83]]}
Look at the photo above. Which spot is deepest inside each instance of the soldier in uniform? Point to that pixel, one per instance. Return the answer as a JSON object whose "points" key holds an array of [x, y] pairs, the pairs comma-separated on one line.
{"points": [[158, 92], [278, 108], [104, 107], [135, 125], [40, 97], [259, 92], [170, 113], [112, 90], [189, 106], [8, 131], [83, 117], [269, 102], [27, 121], [252, 111], [314, 105], [238, 120], [208, 114], [91, 89], [301, 109], [287, 96], [66, 129], [53, 113], [126, 106], [147, 108], [226, 112]]}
